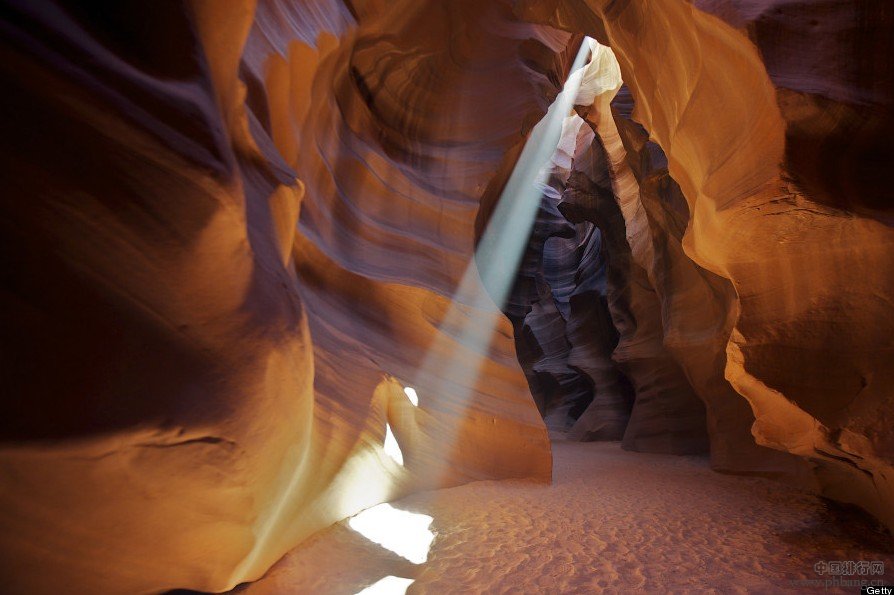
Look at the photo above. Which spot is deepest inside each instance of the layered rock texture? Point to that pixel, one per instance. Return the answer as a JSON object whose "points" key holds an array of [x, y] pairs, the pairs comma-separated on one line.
{"points": [[194, 382], [786, 247], [234, 232]]}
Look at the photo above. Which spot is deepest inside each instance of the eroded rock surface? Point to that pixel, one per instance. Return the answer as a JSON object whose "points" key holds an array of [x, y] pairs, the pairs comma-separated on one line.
{"points": [[232, 233], [193, 383], [810, 345]]}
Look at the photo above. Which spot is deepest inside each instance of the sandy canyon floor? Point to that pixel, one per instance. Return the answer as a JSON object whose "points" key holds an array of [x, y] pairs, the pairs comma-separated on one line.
{"points": [[612, 521]]}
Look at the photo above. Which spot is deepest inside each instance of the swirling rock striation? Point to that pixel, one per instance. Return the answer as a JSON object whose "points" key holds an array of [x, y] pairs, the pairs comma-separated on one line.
{"points": [[195, 384], [807, 257]]}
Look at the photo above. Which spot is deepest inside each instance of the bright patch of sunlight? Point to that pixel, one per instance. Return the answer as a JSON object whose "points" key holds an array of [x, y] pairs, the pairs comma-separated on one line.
{"points": [[411, 394], [390, 585], [392, 448], [404, 533]]}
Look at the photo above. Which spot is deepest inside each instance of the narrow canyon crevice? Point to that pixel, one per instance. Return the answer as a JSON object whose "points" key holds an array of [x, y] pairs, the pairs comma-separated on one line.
{"points": [[271, 263]]}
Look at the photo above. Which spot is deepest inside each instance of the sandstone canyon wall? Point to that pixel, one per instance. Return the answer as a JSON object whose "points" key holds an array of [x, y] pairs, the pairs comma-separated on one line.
{"points": [[234, 232], [803, 240], [194, 384]]}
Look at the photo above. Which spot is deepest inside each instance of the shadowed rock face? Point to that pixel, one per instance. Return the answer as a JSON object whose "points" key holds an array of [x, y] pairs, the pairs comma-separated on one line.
{"points": [[232, 231], [561, 276], [830, 63], [666, 415], [194, 384], [592, 187], [695, 306], [809, 345]]}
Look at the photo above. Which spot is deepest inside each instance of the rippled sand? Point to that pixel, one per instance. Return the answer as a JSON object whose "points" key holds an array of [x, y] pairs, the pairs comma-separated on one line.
{"points": [[613, 521]]}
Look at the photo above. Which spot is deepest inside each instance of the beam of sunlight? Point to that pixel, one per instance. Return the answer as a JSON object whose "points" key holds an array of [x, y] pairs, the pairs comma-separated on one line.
{"points": [[411, 394], [402, 532], [494, 265], [392, 448], [390, 585], [504, 241], [470, 322]]}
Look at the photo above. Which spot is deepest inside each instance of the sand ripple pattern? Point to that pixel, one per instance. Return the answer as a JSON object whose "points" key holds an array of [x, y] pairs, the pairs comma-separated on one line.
{"points": [[613, 521]]}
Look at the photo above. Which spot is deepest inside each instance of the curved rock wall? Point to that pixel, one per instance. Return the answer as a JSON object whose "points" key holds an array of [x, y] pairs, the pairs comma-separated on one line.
{"points": [[666, 415], [194, 383], [593, 187], [809, 346], [561, 268]]}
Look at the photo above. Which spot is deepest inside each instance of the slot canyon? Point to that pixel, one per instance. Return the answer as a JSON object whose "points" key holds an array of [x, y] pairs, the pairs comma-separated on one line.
{"points": [[447, 296]]}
